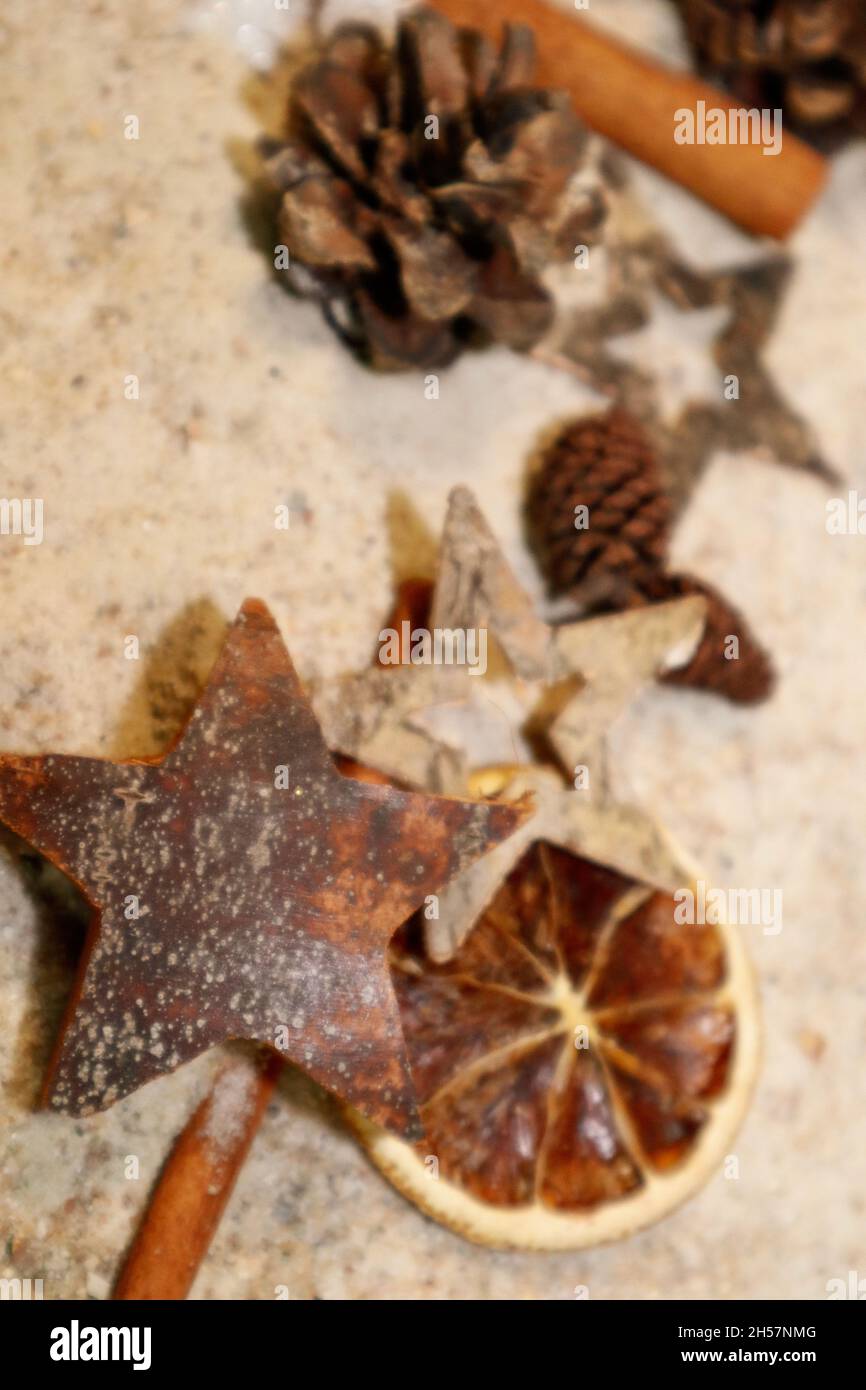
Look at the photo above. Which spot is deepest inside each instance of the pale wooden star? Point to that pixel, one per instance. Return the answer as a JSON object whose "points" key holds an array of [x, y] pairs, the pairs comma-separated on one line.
{"points": [[571, 682], [376, 716], [582, 675], [611, 833]]}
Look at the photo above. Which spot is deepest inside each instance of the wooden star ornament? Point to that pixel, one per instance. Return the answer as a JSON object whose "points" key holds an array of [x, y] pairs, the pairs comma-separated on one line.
{"points": [[242, 888], [569, 684], [644, 275]]}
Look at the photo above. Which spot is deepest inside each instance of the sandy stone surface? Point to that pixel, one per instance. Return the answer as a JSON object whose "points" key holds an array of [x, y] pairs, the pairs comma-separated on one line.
{"points": [[133, 258]]}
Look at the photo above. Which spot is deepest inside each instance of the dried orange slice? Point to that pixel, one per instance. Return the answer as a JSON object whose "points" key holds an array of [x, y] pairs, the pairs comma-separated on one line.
{"points": [[582, 1064]]}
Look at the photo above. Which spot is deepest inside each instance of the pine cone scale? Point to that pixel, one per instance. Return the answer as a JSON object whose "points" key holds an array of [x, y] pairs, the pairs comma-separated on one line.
{"points": [[510, 305], [437, 279], [357, 47], [340, 111], [316, 222], [437, 80], [395, 341], [480, 60], [517, 62]]}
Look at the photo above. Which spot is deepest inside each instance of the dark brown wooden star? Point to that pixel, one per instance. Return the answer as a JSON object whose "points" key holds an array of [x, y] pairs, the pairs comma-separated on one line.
{"points": [[242, 888]]}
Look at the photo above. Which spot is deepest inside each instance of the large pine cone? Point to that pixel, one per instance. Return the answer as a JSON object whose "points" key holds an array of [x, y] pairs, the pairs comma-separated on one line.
{"points": [[806, 56], [605, 464], [424, 188]]}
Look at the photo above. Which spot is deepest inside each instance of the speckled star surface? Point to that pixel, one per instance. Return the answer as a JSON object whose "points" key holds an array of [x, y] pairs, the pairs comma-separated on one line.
{"points": [[242, 888]]}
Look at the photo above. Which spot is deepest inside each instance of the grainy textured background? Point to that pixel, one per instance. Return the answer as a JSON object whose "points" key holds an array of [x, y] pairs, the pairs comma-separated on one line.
{"points": [[125, 257]]}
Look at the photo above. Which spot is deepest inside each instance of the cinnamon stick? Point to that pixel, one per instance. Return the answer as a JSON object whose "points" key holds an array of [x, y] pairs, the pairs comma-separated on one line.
{"points": [[196, 1182], [633, 100]]}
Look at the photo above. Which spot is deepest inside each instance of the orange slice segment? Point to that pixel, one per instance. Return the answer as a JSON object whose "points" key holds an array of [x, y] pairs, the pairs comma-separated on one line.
{"points": [[582, 1065]]}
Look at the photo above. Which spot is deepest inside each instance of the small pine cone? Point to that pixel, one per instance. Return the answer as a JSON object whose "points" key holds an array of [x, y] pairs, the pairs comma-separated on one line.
{"points": [[606, 464], [747, 678], [424, 187], [807, 56]]}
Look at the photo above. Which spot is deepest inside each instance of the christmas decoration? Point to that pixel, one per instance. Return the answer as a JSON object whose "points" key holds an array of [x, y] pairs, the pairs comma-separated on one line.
{"points": [[643, 271], [582, 1063], [563, 687], [597, 510], [425, 186], [600, 522], [242, 889]]}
